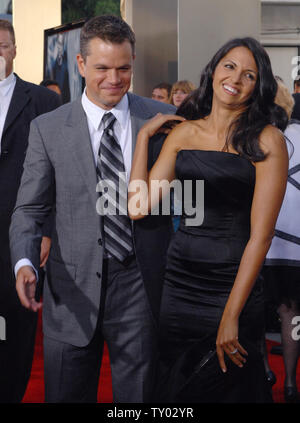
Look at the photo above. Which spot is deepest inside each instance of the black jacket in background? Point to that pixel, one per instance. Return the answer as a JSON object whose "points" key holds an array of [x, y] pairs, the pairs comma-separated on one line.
{"points": [[28, 101], [16, 351]]}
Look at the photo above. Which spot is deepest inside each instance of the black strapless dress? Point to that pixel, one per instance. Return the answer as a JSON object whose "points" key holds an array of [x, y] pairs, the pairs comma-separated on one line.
{"points": [[202, 263]]}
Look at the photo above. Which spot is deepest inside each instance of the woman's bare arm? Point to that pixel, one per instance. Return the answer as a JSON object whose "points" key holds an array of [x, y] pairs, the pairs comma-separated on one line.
{"points": [[271, 178], [141, 181]]}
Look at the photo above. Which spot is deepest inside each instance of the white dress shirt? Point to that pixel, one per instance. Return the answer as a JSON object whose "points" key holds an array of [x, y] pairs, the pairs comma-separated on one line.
{"points": [[122, 130], [122, 127], [6, 91]]}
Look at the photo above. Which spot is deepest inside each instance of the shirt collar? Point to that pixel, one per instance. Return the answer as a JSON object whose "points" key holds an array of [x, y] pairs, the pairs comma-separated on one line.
{"points": [[95, 113], [6, 84]]}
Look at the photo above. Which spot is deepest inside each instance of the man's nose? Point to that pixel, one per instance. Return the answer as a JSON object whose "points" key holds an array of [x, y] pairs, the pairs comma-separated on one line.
{"points": [[113, 76]]}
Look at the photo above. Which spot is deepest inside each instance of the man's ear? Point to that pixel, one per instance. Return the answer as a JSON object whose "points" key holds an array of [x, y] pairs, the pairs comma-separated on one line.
{"points": [[81, 65]]}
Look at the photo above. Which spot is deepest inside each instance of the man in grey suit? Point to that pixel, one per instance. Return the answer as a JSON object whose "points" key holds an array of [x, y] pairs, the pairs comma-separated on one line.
{"points": [[104, 274]]}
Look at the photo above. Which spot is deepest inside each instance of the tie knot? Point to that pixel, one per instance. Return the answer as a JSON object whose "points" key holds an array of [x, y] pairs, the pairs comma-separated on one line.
{"points": [[108, 120]]}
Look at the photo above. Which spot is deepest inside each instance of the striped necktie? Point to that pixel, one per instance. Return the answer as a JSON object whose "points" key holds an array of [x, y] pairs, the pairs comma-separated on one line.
{"points": [[111, 171]]}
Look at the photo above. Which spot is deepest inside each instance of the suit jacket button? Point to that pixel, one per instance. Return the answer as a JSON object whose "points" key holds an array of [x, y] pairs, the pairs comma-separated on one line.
{"points": [[100, 242], [98, 275]]}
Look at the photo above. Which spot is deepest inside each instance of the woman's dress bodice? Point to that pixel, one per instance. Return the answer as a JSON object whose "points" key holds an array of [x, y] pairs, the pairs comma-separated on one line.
{"points": [[229, 181]]}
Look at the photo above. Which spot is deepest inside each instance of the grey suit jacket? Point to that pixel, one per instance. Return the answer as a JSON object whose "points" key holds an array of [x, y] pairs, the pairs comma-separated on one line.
{"points": [[60, 176]]}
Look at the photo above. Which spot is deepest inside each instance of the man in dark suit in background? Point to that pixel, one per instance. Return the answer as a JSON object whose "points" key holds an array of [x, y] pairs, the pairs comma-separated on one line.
{"points": [[20, 102], [104, 275]]}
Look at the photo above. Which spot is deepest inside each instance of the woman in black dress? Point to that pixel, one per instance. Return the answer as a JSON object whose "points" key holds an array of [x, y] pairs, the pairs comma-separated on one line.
{"points": [[212, 295]]}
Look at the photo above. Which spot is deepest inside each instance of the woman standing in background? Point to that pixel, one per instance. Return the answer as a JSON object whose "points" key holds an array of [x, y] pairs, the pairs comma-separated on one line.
{"points": [[282, 266], [180, 90]]}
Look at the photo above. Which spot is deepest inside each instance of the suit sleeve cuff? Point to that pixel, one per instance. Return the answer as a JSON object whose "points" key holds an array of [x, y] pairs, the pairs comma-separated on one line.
{"points": [[25, 262]]}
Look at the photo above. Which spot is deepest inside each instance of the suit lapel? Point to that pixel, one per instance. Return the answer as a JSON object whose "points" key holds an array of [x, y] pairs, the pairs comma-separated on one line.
{"points": [[19, 100], [76, 134]]}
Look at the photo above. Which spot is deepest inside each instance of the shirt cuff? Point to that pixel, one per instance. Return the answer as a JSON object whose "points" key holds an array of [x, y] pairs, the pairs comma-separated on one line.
{"points": [[25, 262]]}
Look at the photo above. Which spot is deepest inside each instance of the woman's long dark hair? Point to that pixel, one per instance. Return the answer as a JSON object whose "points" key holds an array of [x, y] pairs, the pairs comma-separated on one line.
{"points": [[261, 110]]}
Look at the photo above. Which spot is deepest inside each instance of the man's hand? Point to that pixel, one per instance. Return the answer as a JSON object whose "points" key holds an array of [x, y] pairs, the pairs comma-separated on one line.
{"points": [[25, 285], [45, 250]]}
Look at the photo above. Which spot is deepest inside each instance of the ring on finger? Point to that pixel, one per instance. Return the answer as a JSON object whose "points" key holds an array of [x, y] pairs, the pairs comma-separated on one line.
{"points": [[234, 351]]}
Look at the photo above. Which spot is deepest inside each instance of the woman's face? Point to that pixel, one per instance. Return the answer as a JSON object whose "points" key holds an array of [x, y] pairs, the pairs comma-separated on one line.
{"points": [[235, 77], [178, 97]]}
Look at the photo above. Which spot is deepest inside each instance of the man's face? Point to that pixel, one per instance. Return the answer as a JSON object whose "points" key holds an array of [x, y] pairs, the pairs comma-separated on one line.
{"points": [[297, 88], [160, 94], [7, 50], [107, 71]]}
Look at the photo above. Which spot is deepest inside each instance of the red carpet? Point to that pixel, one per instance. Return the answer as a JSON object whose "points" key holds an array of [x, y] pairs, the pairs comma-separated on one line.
{"points": [[35, 388], [276, 364]]}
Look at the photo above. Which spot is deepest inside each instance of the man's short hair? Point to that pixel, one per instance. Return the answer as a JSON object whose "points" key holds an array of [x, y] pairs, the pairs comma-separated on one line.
{"points": [[297, 82], [6, 25], [108, 28], [47, 82], [164, 86]]}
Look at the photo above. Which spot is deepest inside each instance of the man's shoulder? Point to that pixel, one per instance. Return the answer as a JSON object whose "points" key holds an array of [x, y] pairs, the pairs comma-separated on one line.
{"points": [[152, 106], [59, 115]]}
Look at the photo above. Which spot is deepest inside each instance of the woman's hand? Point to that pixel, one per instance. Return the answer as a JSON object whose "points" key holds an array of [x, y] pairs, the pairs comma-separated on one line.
{"points": [[154, 124], [227, 341]]}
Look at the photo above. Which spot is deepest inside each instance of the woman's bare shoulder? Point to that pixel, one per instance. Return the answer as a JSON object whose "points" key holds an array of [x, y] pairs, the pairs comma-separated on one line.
{"points": [[272, 139], [188, 126], [181, 135]]}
